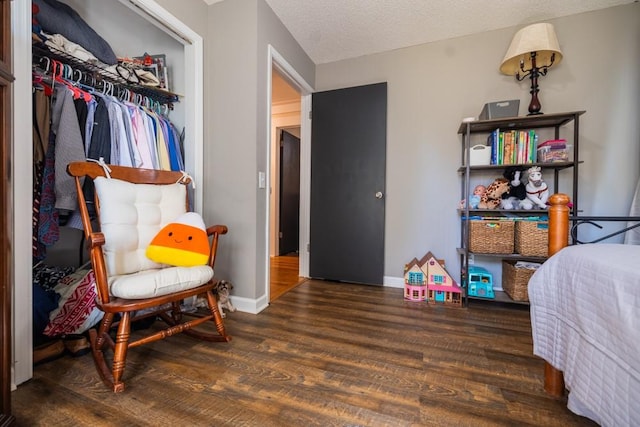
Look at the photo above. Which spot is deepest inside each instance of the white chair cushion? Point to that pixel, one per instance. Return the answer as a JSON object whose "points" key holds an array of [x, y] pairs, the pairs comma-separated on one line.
{"points": [[158, 282], [130, 216]]}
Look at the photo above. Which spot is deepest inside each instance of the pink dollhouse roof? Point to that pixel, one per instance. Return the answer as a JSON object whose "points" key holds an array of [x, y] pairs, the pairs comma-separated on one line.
{"points": [[454, 288]]}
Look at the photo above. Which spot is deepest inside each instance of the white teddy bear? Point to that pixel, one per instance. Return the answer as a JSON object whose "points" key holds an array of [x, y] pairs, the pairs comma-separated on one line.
{"points": [[537, 190]]}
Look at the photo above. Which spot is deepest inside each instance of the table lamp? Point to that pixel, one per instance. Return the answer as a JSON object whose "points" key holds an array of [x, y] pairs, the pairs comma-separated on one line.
{"points": [[532, 51]]}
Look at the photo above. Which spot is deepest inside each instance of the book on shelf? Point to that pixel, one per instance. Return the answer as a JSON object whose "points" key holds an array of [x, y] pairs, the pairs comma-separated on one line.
{"points": [[513, 147]]}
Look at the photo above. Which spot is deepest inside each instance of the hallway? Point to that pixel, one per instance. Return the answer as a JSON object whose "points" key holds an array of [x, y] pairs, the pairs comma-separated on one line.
{"points": [[284, 275]]}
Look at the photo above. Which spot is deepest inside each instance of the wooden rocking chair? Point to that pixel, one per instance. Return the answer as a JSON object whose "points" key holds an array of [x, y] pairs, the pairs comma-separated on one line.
{"points": [[132, 205]]}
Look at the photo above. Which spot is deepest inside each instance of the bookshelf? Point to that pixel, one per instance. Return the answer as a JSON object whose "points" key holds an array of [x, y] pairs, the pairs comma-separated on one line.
{"points": [[558, 126]]}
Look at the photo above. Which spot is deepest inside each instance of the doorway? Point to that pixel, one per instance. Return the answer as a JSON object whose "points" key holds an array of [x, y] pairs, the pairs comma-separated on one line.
{"points": [[284, 197]]}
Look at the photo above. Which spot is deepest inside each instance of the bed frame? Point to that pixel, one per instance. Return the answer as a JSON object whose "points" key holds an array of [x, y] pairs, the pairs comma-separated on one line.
{"points": [[558, 239], [559, 230]]}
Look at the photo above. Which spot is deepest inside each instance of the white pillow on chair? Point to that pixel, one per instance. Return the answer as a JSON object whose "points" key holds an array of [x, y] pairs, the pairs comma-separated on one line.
{"points": [[130, 216]]}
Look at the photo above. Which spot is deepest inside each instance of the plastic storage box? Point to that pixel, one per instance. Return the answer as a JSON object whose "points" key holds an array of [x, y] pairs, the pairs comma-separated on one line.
{"points": [[500, 109], [480, 155], [556, 150]]}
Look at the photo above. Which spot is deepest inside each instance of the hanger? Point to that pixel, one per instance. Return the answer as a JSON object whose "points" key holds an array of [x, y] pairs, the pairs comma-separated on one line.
{"points": [[38, 81]]}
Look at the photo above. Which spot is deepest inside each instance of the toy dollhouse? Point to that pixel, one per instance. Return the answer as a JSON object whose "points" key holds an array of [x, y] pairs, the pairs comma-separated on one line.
{"points": [[415, 282], [428, 280], [441, 288]]}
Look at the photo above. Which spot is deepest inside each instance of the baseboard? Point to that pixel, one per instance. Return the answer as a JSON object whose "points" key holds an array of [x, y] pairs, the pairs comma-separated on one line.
{"points": [[393, 282], [248, 305]]}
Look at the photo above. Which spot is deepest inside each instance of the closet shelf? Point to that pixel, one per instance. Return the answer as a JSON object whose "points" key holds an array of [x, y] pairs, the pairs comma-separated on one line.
{"points": [[96, 73]]}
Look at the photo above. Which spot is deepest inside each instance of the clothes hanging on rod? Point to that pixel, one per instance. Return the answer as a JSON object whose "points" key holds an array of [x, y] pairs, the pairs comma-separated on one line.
{"points": [[129, 129]]}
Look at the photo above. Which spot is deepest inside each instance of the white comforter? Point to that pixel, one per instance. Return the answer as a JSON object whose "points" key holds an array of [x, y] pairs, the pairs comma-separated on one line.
{"points": [[585, 318]]}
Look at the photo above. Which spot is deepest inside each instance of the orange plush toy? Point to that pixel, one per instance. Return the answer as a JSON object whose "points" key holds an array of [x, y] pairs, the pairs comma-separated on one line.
{"points": [[182, 243]]}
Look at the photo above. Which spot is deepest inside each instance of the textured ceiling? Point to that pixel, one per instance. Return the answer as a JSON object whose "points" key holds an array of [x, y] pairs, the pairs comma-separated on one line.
{"points": [[331, 30]]}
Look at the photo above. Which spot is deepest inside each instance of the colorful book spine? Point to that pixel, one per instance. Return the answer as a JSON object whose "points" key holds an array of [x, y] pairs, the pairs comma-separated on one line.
{"points": [[522, 147], [533, 146], [492, 142]]}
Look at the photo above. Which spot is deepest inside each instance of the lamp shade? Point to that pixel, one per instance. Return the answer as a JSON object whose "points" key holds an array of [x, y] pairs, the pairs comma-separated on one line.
{"points": [[540, 38]]}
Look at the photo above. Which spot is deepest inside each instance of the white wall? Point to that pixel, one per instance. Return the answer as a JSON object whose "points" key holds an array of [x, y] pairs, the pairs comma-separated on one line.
{"points": [[431, 87]]}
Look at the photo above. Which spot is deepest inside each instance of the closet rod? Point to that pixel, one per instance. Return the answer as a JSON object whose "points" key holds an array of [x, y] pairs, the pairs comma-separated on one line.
{"points": [[98, 73]]}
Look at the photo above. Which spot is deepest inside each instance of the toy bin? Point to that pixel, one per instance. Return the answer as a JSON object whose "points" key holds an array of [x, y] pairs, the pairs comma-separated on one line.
{"points": [[532, 238], [491, 236], [515, 280], [556, 150]]}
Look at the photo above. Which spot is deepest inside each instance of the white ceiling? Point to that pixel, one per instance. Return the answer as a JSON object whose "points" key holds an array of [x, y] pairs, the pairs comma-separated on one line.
{"points": [[331, 30]]}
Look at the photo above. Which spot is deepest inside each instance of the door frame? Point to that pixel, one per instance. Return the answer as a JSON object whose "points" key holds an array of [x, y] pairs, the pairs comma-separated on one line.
{"points": [[289, 73]]}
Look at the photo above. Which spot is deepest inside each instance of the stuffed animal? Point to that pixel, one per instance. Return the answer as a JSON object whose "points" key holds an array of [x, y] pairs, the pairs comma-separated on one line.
{"points": [[183, 242], [474, 199], [223, 290], [537, 190], [513, 198], [492, 197]]}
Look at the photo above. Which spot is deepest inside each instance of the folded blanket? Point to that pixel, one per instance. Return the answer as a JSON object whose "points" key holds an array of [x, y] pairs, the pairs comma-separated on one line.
{"points": [[61, 43]]}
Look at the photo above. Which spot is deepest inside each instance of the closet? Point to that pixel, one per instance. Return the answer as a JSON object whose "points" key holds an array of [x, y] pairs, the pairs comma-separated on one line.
{"points": [[130, 34]]}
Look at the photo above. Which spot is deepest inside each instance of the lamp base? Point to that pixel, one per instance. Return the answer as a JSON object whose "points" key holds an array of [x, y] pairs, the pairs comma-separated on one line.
{"points": [[534, 105]]}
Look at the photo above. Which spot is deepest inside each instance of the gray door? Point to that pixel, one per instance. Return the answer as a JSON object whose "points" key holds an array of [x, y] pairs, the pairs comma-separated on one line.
{"points": [[348, 158], [289, 193]]}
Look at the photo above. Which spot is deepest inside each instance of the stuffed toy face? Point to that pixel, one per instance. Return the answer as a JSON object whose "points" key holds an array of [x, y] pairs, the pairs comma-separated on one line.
{"points": [[181, 243], [479, 190]]}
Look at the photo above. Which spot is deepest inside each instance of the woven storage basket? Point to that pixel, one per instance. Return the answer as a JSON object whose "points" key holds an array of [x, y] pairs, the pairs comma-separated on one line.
{"points": [[532, 238], [515, 280], [491, 236]]}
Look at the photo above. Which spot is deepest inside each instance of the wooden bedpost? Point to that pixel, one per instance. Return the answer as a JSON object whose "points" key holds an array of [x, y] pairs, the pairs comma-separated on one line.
{"points": [[558, 239], [558, 222]]}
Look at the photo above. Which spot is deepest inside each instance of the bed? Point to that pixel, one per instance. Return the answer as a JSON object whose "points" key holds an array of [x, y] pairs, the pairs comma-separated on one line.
{"points": [[585, 319]]}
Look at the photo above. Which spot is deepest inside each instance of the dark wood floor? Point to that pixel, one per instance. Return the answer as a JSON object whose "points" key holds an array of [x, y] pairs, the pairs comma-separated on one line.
{"points": [[323, 354]]}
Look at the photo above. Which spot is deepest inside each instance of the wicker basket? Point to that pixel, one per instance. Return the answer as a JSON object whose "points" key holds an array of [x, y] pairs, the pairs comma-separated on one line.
{"points": [[515, 280], [491, 236], [532, 238]]}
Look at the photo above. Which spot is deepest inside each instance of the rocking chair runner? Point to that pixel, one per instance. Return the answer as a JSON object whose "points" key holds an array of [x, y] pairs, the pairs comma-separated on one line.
{"points": [[132, 205]]}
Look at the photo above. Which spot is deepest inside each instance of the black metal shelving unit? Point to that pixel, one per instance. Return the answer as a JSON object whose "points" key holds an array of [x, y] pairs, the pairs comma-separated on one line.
{"points": [[556, 122]]}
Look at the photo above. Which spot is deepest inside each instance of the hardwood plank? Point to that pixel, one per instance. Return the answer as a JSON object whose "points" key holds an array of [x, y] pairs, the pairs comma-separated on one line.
{"points": [[322, 354]]}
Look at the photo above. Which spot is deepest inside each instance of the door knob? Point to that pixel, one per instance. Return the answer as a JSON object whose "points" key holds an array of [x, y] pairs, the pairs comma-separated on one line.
{"points": [[379, 195]]}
